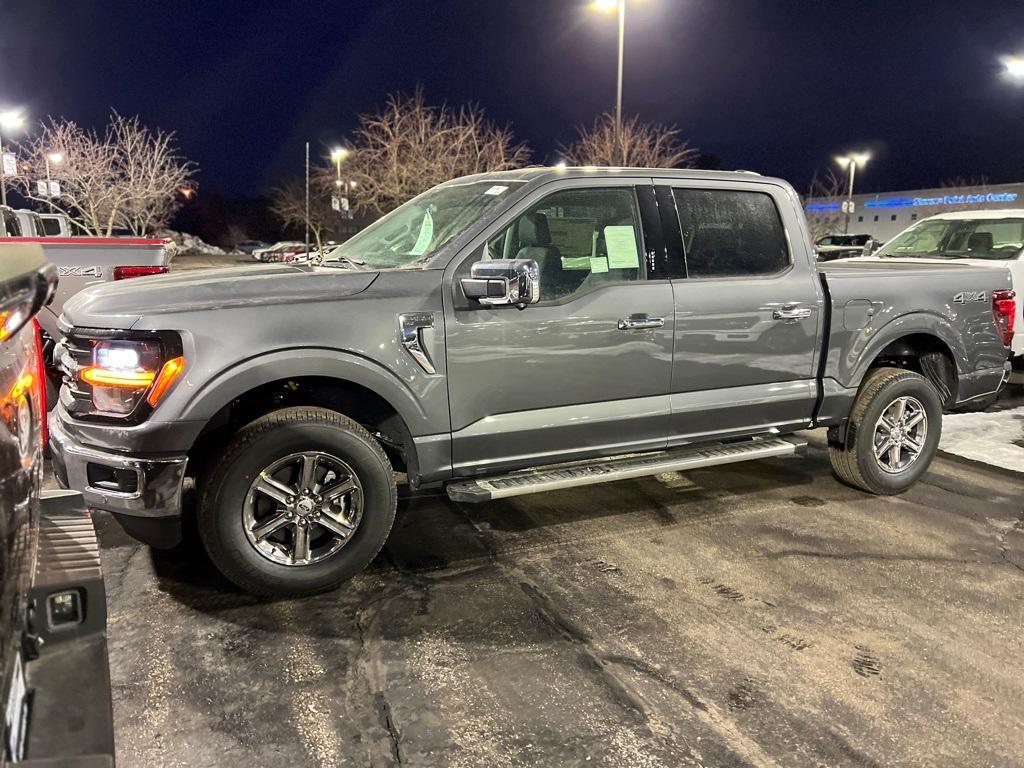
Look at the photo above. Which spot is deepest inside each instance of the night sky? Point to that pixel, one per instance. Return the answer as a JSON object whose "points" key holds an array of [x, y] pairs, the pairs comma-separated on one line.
{"points": [[777, 87]]}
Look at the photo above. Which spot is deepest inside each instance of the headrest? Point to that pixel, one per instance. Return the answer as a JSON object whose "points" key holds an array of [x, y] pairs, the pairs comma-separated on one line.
{"points": [[980, 241], [533, 230]]}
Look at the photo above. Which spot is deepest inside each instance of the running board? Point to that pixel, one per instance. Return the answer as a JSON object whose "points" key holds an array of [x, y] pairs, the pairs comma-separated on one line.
{"points": [[556, 477]]}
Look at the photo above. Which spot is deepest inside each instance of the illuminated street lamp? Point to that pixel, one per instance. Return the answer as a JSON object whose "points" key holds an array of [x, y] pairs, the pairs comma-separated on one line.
{"points": [[1013, 69], [338, 156], [10, 121], [56, 158], [850, 163], [609, 6]]}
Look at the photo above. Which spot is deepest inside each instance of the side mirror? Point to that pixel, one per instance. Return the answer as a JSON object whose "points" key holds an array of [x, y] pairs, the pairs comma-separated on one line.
{"points": [[500, 282], [870, 247]]}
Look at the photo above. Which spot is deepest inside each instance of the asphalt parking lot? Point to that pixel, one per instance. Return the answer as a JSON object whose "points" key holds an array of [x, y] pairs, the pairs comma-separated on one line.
{"points": [[755, 614]]}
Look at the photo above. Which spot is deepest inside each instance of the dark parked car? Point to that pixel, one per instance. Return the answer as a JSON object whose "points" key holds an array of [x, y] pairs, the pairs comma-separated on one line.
{"points": [[832, 247], [54, 679]]}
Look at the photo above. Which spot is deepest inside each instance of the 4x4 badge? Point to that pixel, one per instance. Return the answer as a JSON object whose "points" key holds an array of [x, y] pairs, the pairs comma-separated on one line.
{"points": [[966, 297]]}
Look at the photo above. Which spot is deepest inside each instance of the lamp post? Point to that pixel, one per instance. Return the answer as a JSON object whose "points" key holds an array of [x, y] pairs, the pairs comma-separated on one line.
{"points": [[56, 158], [850, 163], [619, 6], [338, 156], [9, 121]]}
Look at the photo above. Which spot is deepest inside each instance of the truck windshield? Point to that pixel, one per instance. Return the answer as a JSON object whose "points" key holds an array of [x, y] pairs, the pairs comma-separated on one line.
{"points": [[959, 239], [415, 231]]}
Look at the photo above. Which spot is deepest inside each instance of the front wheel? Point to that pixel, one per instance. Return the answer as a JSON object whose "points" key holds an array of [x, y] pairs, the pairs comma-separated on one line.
{"points": [[892, 435], [299, 501]]}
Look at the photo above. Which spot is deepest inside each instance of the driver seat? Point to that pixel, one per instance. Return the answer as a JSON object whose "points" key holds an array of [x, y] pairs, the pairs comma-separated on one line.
{"points": [[535, 243]]}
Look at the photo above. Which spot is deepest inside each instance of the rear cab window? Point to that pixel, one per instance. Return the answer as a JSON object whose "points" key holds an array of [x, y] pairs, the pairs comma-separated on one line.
{"points": [[731, 233]]}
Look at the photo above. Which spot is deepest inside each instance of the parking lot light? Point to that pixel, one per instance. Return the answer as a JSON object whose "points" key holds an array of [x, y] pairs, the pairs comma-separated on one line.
{"points": [[10, 121], [849, 163], [1013, 68]]}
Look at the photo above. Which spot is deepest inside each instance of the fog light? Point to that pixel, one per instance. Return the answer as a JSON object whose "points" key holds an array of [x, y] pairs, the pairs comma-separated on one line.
{"points": [[64, 609]]}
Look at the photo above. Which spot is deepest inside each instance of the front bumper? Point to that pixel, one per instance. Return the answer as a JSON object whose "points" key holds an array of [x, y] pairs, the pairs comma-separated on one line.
{"points": [[143, 493]]}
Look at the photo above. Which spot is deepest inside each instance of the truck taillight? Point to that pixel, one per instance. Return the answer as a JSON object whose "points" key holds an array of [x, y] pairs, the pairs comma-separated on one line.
{"points": [[1004, 311], [123, 273]]}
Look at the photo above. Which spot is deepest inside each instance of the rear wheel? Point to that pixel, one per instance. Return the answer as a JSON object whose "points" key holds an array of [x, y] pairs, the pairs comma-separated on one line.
{"points": [[892, 435], [299, 501]]}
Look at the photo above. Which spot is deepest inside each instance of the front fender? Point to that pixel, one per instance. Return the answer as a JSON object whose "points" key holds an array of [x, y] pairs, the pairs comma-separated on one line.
{"points": [[325, 362]]}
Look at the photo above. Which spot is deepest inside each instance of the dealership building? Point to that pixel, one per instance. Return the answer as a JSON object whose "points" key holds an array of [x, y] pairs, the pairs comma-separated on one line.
{"points": [[883, 216]]}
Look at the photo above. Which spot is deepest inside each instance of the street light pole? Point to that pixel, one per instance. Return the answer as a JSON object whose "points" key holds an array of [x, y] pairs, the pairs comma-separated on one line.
{"points": [[307, 199], [850, 163], [618, 91], [3, 182]]}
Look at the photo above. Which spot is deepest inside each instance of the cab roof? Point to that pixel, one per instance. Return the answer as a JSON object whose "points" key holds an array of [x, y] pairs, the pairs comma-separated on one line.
{"points": [[549, 173], [998, 213]]}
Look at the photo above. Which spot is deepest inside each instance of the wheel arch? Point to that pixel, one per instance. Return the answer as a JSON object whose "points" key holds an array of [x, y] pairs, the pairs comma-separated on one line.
{"points": [[346, 383], [921, 342]]}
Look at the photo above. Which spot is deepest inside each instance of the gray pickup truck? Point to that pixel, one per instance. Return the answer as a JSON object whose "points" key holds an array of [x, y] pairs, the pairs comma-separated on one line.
{"points": [[505, 334]]}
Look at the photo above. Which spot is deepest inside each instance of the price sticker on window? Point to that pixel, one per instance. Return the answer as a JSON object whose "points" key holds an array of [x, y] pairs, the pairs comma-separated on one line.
{"points": [[621, 244]]}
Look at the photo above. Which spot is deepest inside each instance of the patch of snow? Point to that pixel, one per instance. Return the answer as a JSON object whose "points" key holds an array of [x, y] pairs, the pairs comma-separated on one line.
{"points": [[993, 438], [185, 244]]}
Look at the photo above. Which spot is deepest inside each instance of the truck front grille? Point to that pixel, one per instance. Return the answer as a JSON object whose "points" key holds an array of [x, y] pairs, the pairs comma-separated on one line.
{"points": [[73, 354]]}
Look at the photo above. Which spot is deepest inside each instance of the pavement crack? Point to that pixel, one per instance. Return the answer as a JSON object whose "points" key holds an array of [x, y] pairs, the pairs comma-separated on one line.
{"points": [[549, 612], [388, 724], [1004, 546]]}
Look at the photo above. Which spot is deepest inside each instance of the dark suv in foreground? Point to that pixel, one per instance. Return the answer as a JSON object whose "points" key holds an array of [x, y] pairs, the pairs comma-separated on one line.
{"points": [[54, 679]]}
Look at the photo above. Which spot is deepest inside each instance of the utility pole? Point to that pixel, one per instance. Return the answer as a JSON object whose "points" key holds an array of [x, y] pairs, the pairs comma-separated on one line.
{"points": [[618, 92], [307, 199]]}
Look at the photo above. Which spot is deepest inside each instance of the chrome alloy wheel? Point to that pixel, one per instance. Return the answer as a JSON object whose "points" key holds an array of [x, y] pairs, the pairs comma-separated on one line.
{"points": [[900, 434], [303, 508]]}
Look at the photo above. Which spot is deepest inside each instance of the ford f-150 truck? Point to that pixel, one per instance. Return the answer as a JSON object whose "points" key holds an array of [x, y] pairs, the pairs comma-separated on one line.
{"points": [[504, 334]]}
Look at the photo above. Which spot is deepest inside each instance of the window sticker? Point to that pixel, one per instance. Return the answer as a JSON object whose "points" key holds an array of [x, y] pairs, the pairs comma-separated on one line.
{"points": [[621, 244], [426, 235], [576, 262], [498, 190], [598, 264]]}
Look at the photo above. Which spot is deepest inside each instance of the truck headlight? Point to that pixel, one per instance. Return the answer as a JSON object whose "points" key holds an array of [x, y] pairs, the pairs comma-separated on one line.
{"points": [[126, 373]]}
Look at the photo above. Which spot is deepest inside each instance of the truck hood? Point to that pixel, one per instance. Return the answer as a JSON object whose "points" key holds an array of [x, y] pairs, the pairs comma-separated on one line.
{"points": [[123, 303]]}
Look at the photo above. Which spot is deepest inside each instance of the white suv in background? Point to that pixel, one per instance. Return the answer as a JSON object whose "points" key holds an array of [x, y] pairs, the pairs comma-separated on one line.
{"points": [[985, 238]]}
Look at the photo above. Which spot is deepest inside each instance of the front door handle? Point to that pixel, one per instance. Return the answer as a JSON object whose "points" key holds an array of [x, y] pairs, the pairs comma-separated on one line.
{"points": [[791, 313], [641, 323]]}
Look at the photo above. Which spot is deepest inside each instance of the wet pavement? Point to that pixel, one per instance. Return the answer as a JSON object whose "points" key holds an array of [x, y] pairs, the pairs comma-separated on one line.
{"points": [[755, 614]]}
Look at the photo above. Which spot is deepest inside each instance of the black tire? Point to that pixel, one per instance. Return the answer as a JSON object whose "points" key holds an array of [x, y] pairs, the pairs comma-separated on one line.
{"points": [[854, 461], [225, 486]]}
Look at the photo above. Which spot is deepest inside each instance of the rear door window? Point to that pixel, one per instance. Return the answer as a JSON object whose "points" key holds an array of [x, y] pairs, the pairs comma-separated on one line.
{"points": [[731, 233]]}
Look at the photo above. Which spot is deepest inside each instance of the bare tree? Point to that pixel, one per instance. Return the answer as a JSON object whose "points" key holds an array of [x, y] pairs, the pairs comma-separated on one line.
{"points": [[410, 146], [128, 178], [825, 197], [288, 203], [639, 144]]}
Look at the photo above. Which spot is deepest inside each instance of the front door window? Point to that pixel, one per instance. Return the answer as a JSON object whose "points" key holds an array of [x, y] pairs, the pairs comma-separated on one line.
{"points": [[580, 238]]}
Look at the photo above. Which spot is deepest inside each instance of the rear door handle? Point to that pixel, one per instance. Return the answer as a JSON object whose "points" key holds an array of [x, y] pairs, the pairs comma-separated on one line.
{"points": [[641, 323], [791, 313]]}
